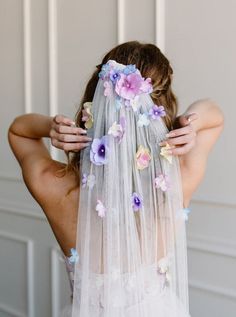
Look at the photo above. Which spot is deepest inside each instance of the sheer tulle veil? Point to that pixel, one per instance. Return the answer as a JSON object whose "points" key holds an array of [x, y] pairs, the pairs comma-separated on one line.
{"points": [[131, 237]]}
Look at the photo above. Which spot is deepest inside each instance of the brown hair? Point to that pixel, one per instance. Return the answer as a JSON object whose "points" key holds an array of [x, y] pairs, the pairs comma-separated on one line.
{"points": [[149, 59]]}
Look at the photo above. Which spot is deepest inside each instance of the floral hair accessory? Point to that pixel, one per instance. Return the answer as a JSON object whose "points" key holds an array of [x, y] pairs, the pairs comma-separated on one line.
{"points": [[126, 82], [162, 181], [136, 201], [186, 212], [74, 258], [142, 157], [143, 120], [99, 150], [87, 115], [100, 208], [165, 152]]}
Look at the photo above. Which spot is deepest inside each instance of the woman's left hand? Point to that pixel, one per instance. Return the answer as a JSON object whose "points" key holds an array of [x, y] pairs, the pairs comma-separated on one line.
{"points": [[183, 138]]}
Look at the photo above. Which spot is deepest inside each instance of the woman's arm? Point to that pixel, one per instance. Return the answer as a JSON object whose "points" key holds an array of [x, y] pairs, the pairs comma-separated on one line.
{"points": [[207, 126]]}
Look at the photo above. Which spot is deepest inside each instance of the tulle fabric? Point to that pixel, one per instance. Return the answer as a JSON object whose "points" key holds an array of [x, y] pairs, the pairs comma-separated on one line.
{"points": [[131, 263]]}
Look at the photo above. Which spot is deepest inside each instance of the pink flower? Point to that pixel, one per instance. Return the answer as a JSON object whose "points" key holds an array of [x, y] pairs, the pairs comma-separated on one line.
{"points": [[129, 86], [142, 157], [162, 181], [146, 86]]}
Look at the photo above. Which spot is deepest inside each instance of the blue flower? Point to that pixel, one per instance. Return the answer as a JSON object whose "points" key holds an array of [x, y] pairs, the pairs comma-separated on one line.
{"points": [[104, 71], [129, 69], [74, 256], [114, 75], [186, 211]]}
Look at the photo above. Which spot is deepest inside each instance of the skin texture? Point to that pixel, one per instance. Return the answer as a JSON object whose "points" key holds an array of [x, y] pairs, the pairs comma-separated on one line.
{"points": [[191, 140]]}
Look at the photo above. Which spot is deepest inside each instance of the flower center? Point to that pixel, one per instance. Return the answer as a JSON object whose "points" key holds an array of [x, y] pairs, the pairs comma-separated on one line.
{"points": [[101, 151], [137, 201]]}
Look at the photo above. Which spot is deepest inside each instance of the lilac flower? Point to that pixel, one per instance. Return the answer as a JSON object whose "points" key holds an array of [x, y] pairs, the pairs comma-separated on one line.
{"points": [[84, 180], [128, 86], [74, 256], [162, 181], [99, 149], [88, 180], [136, 201], [156, 112], [100, 208], [114, 75], [129, 69], [146, 86]]}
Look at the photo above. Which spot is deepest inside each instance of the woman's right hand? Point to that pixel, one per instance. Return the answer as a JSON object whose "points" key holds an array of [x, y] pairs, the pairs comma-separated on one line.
{"points": [[66, 136]]}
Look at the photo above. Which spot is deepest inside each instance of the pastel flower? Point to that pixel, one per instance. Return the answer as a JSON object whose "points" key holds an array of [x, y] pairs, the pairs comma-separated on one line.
{"points": [[108, 88], [165, 154], [87, 115], [118, 130], [74, 258], [99, 150], [142, 157], [143, 120], [88, 180], [164, 270], [100, 208], [114, 75], [136, 201], [118, 102], [128, 86], [134, 103], [104, 71], [162, 181], [156, 112], [146, 86], [186, 211], [129, 69], [84, 180]]}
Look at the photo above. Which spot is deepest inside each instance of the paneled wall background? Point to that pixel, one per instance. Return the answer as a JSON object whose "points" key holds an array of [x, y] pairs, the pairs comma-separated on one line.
{"points": [[48, 50]]}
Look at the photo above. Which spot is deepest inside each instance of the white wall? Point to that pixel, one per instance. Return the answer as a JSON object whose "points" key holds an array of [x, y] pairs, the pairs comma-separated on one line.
{"points": [[48, 49]]}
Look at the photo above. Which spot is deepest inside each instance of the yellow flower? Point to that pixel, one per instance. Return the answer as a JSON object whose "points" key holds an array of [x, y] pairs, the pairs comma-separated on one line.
{"points": [[165, 154], [142, 157], [87, 115]]}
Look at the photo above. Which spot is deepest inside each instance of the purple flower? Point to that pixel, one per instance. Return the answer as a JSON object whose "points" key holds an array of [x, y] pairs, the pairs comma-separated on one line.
{"points": [[146, 86], [99, 149], [136, 201], [156, 112], [128, 86], [88, 180], [114, 75]]}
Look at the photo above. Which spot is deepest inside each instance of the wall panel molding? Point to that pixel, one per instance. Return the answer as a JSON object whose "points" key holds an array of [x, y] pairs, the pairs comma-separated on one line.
{"points": [[55, 282], [120, 21], [228, 293], [213, 203], [211, 245], [53, 64], [30, 274], [20, 209], [160, 24], [27, 55]]}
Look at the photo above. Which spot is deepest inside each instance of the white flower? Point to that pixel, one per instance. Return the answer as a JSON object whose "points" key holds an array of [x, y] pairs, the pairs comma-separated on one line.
{"points": [[143, 120], [162, 182], [100, 209], [134, 103]]}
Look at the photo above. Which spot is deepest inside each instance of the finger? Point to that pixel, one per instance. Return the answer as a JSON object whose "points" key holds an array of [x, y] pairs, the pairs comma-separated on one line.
{"points": [[59, 119], [181, 150], [179, 139], [186, 119], [70, 130], [69, 146], [72, 138], [180, 131]]}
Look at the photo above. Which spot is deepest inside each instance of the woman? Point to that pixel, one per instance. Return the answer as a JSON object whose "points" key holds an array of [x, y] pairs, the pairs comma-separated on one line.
{"points": [[124, 241]]}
